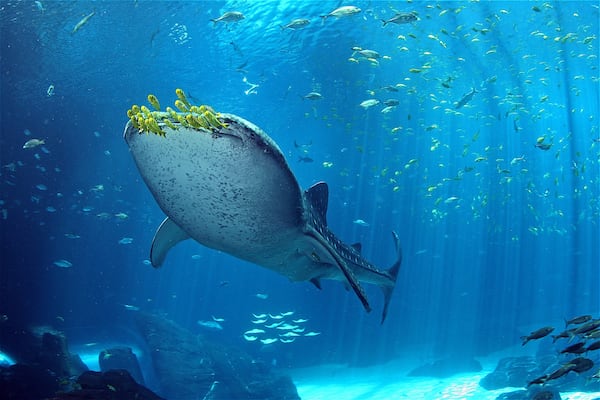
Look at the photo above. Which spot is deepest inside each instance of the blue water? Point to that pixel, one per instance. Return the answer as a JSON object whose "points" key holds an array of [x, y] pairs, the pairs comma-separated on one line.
{"points": [[500, 236]]}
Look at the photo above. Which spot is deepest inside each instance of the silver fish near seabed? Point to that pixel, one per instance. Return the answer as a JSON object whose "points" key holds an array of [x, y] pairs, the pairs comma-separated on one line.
{"points": [[232, 190]]}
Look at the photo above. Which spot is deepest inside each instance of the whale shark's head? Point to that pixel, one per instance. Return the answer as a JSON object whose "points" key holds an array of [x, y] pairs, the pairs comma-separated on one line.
{"points": [[218, 177]]}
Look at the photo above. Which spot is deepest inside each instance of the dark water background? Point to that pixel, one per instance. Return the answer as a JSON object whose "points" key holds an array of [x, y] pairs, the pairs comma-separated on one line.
{"points": [[499, 236]]}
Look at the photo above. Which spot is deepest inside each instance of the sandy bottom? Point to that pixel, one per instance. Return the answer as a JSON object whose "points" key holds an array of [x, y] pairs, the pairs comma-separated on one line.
{"points": [[387, 382], [376, 383]]}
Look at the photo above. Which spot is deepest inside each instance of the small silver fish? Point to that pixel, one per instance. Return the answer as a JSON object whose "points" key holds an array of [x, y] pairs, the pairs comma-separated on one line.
{"points": [[368, 53], [401, 18], [63, 264], [254, 331], [296, 24], [390, 88], [229, 16], [210, 325], [369, 103], [360, 222], [30, 144], [313, 96], [344, 11]]}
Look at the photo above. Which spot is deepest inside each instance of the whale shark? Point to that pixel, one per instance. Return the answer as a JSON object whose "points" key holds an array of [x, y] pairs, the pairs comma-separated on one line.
{"points": [[230, 188]]}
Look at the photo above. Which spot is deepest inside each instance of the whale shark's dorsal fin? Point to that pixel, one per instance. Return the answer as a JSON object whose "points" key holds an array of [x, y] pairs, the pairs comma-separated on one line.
{"points": [[318, 196], [167, 235]]}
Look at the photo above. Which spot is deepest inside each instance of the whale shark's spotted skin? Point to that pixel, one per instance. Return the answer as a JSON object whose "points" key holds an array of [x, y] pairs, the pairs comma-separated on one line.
{"points": [[233, 191]]}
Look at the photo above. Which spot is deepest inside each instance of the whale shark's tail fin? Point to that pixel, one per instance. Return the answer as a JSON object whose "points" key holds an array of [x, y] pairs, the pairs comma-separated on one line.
{"points": [[393, 272]]}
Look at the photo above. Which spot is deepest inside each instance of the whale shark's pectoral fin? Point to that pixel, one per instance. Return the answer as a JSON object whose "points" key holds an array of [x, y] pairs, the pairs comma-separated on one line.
{"points": [[317, 196], [167, 235], [331, 256], [353, 282]]}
